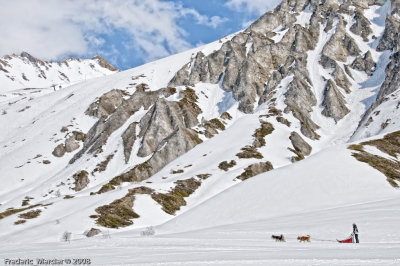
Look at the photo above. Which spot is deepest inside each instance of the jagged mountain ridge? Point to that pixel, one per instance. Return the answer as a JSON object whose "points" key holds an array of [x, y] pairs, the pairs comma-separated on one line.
{"points": [[26, 71], [297, 80]]}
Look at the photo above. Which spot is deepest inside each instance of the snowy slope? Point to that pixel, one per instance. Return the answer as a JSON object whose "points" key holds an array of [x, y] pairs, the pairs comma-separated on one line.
{"points": [[234, 228], [36, 131], [25, 71], [336, 180]]}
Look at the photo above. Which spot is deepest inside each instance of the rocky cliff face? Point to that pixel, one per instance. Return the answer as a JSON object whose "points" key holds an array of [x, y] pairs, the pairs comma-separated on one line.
{"points": [[389, 43], [253, 64]]}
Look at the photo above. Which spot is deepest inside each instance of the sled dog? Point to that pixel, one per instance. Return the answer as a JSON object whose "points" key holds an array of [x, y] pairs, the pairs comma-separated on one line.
{"points": [[279, 238], [304, 238]]}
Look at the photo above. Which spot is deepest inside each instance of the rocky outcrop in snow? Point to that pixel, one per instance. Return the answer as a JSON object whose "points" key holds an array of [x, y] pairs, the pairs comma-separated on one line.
{"points": [[128, 139], [106, 104], [255, 169], [81, 180], [299, 144], [165, 130], [391, 35], [361, 26], [340, 45], [59, 151], [105, 126], [365, 63], [334, 103]]}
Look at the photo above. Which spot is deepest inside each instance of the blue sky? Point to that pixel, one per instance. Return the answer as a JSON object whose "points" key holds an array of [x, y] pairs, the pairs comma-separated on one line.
{"points": [[196, 34], [126, 32]]}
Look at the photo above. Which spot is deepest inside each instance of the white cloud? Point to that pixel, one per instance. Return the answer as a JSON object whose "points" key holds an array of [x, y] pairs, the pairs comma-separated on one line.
{"points": [[253, 6], [213, 22], [51, 29]]}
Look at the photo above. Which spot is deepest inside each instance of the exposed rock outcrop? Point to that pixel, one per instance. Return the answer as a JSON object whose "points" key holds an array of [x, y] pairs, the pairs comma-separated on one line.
{"points": [[391, 36], [299, 144], [93, 232], [79, 135], [334, 103], [163, 124], [33, 59], [361, 26], [81, 180], [255, 169], [365, 64], [71, 144], [59, 151], [104, 63], [165, 133], [340, 45], [300, 147], [99, 133], [128, 139], [106, 104], [300, 100], [392, 79], [341, 79]]}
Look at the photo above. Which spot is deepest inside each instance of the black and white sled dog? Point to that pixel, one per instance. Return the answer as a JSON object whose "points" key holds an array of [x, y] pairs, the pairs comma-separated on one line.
{"points": [[279, 238]]}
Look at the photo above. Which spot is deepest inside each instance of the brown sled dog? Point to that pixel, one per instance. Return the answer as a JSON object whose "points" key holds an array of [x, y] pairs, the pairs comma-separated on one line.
{"points": [[304, 238], [280, 238]]}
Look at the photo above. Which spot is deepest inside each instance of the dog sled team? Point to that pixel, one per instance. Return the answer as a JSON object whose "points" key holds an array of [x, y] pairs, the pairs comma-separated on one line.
{"points": [[281, 238], [352, 239]]}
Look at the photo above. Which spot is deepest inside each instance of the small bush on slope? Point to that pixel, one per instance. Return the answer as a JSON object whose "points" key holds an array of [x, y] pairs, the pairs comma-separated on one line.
{"points": [[389, 144], [225, 165], [12, 211], [119, 213], [19, 222], [173, 200], [179, 171], [260, 133], [30, 214], [250, 151]]}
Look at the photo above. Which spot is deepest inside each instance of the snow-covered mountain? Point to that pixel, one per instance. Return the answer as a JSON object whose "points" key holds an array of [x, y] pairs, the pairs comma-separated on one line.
{"points": [[290, 121], [25, 71]]}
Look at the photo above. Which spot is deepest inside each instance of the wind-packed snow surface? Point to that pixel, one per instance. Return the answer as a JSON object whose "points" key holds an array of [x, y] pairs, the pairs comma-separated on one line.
{"points": [[225, 221]]}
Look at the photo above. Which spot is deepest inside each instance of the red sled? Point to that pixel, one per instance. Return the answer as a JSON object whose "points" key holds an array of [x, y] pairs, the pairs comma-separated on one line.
{"points": [[347, 240]]}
